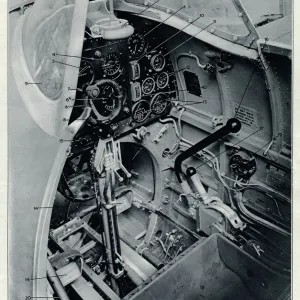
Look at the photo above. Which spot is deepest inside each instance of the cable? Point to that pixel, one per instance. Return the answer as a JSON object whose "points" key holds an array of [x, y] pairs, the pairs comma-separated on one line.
{"points": [[81, 260], [174, 123], [162, 245], [263, 236], [177, 143], [245, 185], [275, 204], [167, 252]]}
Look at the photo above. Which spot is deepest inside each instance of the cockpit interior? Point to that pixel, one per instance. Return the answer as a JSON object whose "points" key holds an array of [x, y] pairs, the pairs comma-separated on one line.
{"points": [[171, 177]]}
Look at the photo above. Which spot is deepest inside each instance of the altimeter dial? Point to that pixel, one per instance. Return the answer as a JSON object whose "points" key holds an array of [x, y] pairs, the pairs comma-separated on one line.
{"points": [[111, 64]]}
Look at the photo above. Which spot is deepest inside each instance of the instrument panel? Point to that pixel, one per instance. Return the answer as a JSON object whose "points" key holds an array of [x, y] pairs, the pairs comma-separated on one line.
{"points": [[183, 139], [127, 82]]}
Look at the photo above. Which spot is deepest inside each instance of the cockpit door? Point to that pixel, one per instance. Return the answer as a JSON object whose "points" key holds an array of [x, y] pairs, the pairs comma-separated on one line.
{"points": [[45, 58]]}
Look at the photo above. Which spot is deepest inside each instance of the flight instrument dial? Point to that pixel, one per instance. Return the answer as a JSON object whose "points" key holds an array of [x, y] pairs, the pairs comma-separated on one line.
{"points": [[141, 111], [158, 62], [137, 45], [111, 64]]}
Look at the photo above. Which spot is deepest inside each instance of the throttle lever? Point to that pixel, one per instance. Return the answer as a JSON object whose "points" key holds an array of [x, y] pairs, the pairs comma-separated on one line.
{"points": [[233, 125]]}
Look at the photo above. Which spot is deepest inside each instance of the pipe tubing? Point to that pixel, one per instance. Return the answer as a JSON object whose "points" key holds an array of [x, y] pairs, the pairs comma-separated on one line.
{"points": [[55, 282]]}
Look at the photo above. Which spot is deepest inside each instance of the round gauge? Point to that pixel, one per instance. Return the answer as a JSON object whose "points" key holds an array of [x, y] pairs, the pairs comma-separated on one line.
{"points": [[158, 62], [86, 73], [141, 111], [137, 45], [162, 80], [148, 85], [107, 104], [111, 64], [159, 103]]}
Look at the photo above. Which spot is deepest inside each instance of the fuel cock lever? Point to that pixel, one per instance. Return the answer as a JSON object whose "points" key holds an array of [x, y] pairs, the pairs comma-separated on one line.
{"points": [[232, 126]]}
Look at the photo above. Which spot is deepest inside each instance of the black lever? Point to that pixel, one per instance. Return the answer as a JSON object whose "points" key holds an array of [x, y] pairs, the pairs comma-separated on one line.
{"points": [[232, 126]]}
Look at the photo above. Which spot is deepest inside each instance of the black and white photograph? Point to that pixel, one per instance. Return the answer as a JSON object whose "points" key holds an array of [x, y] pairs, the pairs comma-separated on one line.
{"points": [[150, 149]]}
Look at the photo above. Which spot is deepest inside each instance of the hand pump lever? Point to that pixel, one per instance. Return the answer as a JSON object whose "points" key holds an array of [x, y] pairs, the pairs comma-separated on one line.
{"points": [[232, 126]]}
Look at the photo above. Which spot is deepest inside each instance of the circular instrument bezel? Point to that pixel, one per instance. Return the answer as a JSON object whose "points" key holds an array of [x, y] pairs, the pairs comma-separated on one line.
{"points": [[81, 68], [152, 62], [153, 86], [118, 61], [155, 99], [119, 95], [144, 47], [167, 81], [136, 106]]}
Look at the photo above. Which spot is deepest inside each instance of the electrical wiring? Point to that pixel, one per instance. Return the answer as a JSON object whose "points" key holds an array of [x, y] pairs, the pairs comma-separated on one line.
{"points": [[178, 131], [178, 250], [179, 121], [270, 196], [275, 204], [244, 185], [177, 143], [265, 238], [164, 250], [260, 220], [81, 260], [167, 252], [174, 123]]}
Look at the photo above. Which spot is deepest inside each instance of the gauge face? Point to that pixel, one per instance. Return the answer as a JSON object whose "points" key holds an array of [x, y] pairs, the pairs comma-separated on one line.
{"points": [[148, 85], [86, 73], [137, 45], [111, 64], [158, 62], [108, 102], [162, 80], [141, 111], [159, 103]]}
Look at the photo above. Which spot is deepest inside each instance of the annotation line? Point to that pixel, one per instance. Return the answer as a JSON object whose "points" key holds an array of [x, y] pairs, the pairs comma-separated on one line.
{"points": [[244, 92], [164, 20], [171, 37], [189, 39], [147, 8], [228, 149]]}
